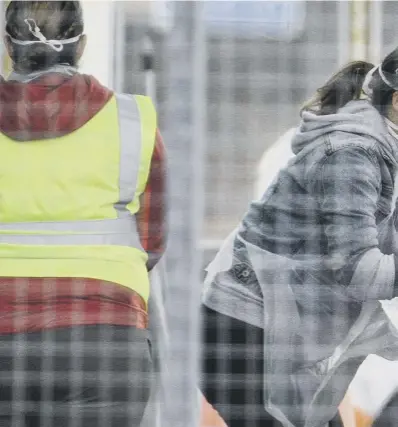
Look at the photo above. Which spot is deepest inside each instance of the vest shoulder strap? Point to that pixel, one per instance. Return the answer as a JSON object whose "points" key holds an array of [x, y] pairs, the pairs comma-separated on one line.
{"points": [[137, 128]]}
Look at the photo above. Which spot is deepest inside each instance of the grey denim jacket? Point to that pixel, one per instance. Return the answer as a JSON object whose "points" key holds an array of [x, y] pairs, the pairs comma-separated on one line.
{"points": [[307, 258]]}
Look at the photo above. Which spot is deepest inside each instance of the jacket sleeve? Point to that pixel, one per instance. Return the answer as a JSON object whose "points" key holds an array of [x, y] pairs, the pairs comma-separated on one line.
{"points": [[349, 189], [152, 214]]}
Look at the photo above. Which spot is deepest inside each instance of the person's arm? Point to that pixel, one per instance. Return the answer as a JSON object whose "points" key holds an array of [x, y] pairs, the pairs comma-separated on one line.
{"points": [[349, 188], [152, 214]]}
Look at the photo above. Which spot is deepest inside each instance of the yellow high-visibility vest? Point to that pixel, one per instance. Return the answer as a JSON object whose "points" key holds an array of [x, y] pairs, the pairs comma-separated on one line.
{"points": [[68, 205]]}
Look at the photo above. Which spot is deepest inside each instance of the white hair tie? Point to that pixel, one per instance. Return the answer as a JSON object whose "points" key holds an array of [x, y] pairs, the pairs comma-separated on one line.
{"points": [[384, 78], [57, 45], [366, 90], [39, 35]]}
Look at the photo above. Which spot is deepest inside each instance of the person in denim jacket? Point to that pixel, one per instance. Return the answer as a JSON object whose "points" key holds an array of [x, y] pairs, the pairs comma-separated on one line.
{"points": [[317, 248]]}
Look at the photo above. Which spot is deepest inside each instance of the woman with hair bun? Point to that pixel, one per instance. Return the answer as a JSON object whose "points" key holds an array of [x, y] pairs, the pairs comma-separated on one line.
{"points": [[82, 217], [321, 245]]}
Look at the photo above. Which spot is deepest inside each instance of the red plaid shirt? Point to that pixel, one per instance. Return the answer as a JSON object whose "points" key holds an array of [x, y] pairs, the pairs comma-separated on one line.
{"points": [[31, 304], [152, 215]]}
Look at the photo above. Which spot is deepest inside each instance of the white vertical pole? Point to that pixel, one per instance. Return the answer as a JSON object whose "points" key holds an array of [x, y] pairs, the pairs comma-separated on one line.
{"points": [[343, 25], [6, 63], [99, 27], [185, 136], [118, 46], [200, 74], [158, 276], [148, 67], [359, 29], [376, 31], [199, 98]]}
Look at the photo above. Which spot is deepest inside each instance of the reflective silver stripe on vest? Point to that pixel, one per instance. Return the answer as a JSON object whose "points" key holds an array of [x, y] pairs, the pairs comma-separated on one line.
{"points": [[122, 231], [70, 239], [130, 151]]}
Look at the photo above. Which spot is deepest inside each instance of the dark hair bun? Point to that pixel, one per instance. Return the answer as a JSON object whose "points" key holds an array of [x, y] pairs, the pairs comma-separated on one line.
{"points": [[57, 20]]}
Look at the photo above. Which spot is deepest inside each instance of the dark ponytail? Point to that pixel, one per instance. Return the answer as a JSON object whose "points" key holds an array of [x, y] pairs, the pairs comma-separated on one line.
{"points": [[342, 87]]}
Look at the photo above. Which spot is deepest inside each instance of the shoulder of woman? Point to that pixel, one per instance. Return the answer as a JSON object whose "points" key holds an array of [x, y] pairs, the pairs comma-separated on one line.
{"points": [[356, 158], [351, 142]]}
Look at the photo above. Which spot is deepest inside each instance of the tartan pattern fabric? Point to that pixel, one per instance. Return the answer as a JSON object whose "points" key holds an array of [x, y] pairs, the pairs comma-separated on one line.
{"points": [[84, 376], [33, 304], [152, 214], [233, 370]]}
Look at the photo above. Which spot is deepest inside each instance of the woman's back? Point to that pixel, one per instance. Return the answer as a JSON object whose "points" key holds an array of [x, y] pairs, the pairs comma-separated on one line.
{"points": [[320, 249], [79, 229]]}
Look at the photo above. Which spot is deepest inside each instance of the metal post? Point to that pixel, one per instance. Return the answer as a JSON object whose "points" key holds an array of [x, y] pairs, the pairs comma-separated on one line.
{"points": [[359, 29], [184, 135], [376, 31], [119, 46], [99, 25], [6, 64], [343, 24], [148, 67], [158, 323]]}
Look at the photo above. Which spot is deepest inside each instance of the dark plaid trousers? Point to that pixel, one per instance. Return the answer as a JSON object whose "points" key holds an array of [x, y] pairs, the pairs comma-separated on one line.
{"points": [[82, 376], [232, 379], [232, 371]]}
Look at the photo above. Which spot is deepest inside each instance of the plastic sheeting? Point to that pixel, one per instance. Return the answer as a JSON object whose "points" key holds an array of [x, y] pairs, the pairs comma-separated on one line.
{"points": [[300, 387]]}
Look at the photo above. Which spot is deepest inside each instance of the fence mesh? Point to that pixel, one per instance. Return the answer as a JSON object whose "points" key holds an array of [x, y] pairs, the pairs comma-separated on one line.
{"points": [[228, 79]]}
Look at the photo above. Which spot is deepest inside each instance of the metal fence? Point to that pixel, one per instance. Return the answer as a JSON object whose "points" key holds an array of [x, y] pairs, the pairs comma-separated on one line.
{"points": [[225, 92]]}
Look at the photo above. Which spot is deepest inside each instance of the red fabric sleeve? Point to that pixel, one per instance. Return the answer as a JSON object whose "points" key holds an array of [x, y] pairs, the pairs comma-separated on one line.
{"points": [[152, 214]]}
